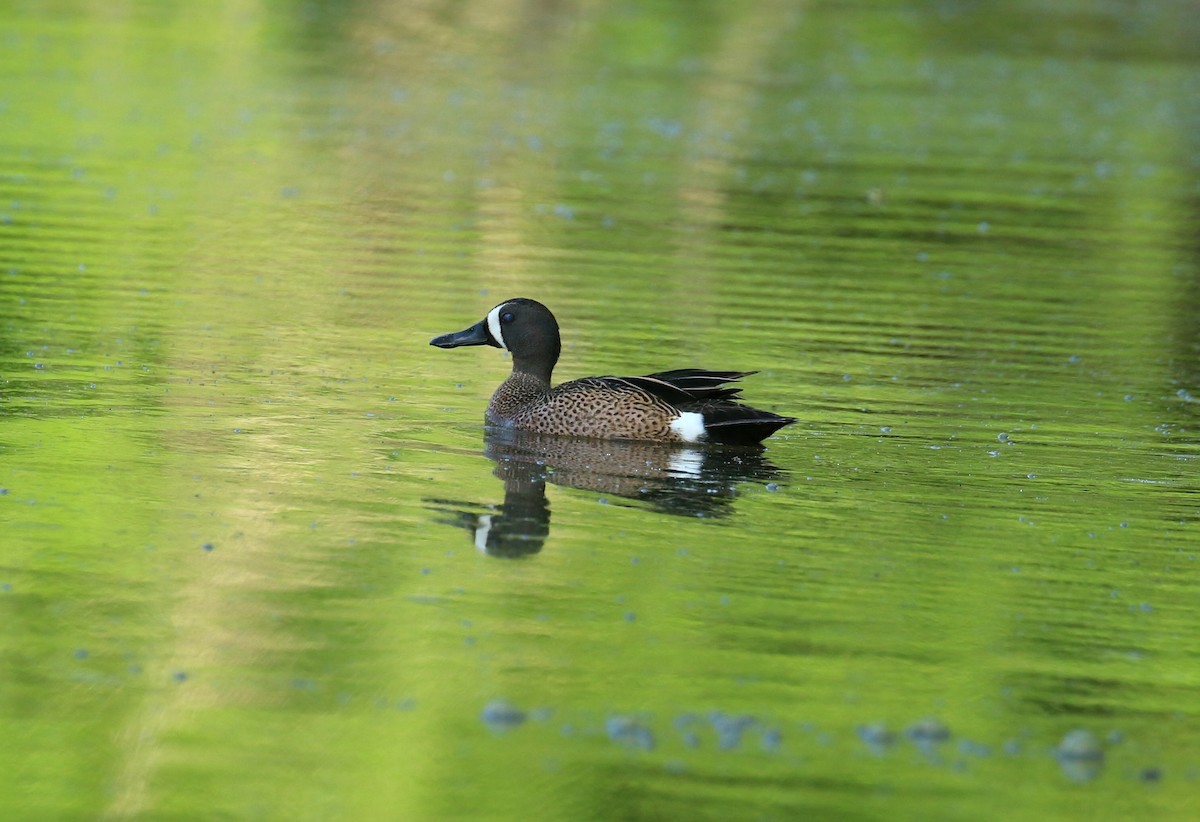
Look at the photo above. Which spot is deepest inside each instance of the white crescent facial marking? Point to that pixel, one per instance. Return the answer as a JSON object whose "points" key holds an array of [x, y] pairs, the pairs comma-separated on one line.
{"points": [[494, 326], [689, 425]]}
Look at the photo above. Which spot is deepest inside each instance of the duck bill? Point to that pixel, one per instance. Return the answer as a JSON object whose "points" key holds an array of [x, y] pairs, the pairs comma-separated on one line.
{"points": [[475, 335]]}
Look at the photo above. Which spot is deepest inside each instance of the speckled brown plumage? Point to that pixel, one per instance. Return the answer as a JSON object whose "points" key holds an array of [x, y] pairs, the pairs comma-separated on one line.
{"points": [[590, 407], [634, 408]]}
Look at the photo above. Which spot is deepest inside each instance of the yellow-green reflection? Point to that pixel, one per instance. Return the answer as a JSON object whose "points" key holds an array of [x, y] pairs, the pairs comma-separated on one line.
{"points": [[958, 244]]}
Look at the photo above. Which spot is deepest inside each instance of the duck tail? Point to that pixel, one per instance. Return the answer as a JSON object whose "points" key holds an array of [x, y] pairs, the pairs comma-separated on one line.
{"points": [[736, 424]]}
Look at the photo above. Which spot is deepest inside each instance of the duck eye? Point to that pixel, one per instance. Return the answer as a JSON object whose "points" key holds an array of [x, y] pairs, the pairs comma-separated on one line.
{"points": [[506, 317]]}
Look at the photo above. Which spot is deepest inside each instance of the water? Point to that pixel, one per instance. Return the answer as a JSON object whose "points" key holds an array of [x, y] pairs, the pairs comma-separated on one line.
{"points": [[261, 560]]}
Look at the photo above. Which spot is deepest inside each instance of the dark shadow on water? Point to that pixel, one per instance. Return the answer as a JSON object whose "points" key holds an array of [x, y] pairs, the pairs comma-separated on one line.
{"points": [[682, 481]]}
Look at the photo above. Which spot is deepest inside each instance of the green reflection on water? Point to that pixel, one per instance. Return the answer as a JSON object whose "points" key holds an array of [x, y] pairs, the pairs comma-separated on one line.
{"points": [[241, 496]]}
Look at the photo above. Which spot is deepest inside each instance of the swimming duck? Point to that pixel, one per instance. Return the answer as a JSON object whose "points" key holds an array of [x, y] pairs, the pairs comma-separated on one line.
{"points": [[684, 405]]}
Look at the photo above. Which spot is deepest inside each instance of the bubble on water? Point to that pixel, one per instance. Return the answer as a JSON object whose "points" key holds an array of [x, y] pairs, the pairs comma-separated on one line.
{"points": [[875, 734], [1080, 746], [970, 747], [502, 715], [928, 730], [730, 728], [628, 732]]}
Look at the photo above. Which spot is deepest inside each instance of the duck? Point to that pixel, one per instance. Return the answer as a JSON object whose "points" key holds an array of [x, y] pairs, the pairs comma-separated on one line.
{"points": [[685, 405]]}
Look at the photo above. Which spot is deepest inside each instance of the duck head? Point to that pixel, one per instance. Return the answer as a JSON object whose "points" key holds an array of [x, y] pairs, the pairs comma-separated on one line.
{"points": [[523, 327]]}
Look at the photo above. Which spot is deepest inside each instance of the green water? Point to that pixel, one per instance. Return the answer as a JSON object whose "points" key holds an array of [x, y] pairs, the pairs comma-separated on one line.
{"points": [[259, 560]]}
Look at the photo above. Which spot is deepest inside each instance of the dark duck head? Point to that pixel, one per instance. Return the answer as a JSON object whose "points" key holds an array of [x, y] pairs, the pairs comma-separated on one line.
{"points": [[523, 327]]}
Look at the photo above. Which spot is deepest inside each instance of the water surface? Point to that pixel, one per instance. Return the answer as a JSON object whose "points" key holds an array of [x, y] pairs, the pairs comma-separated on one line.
{"points": [[262, 561]]}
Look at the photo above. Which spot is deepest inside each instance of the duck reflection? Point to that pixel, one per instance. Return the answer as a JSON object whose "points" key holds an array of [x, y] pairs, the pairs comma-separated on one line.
{"points": [[670, 479]]}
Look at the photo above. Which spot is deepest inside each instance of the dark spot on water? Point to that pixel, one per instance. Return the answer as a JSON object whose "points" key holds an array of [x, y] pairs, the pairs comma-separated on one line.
{"points": [[973, 748], [629, 733], [928, 730], [730, 728], [876, 734], [502, 715]]}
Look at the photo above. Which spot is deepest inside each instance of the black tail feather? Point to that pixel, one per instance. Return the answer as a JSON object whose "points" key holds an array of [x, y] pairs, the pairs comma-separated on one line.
{"points": [[740, 424]]}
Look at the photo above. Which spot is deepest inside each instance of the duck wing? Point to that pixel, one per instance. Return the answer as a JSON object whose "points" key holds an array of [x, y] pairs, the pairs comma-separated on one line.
{"points": [[680, 388], [666, 392], [701, 384]]}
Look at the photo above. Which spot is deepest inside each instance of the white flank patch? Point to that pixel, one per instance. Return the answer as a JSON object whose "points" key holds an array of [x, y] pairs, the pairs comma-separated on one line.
{"points": [[482, 527], [494, 326], [689, 426]]}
